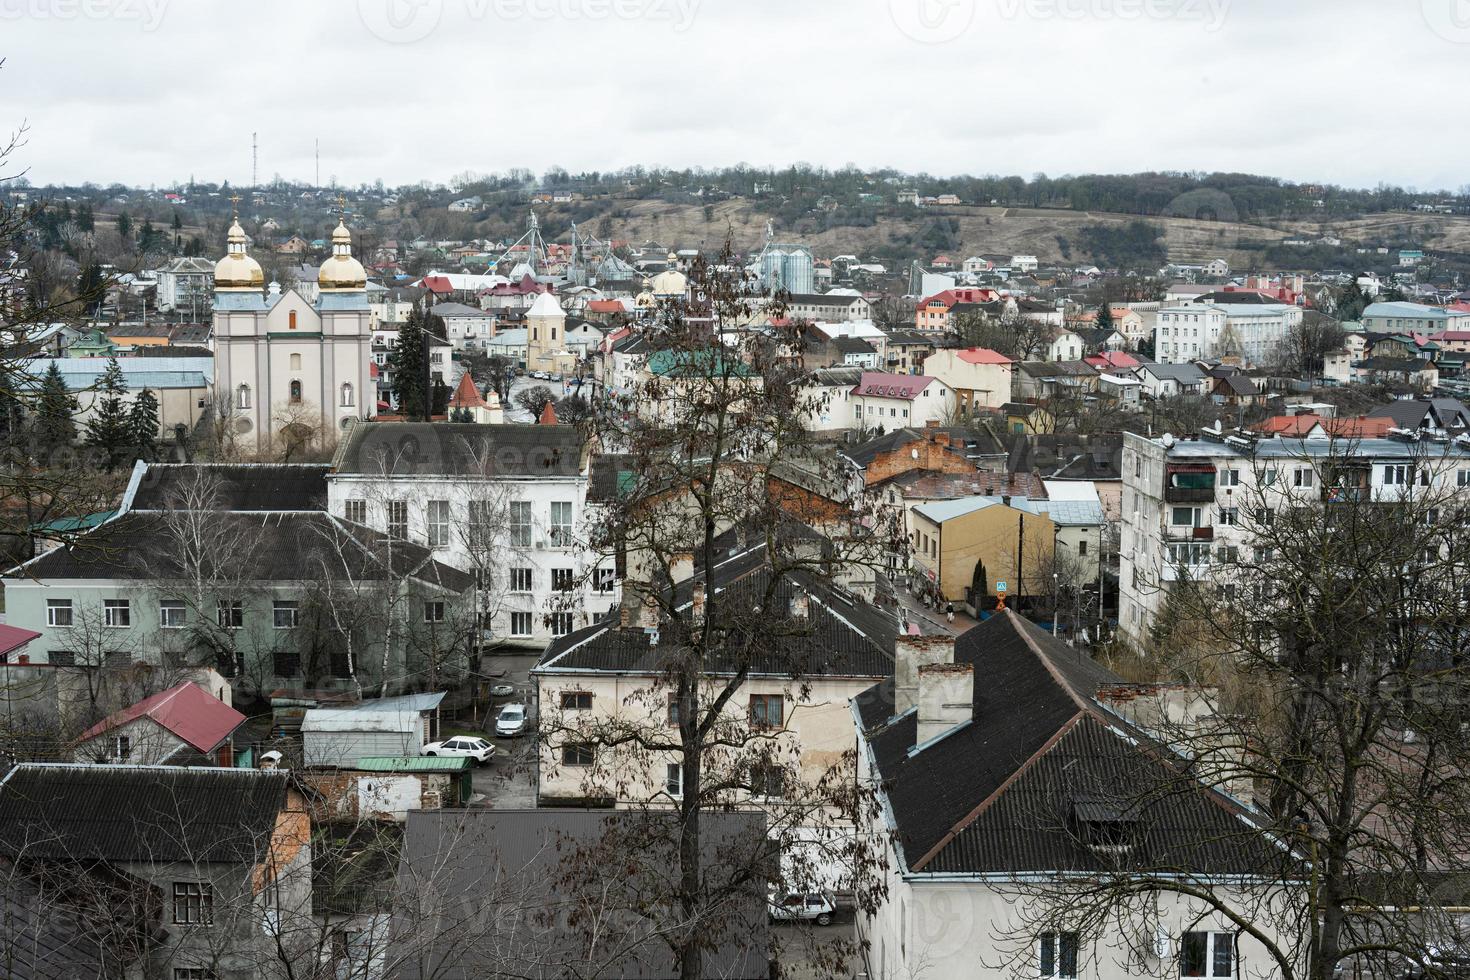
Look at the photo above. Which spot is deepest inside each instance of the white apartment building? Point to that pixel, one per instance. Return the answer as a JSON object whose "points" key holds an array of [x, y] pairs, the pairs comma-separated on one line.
{"points": [[466, 327], [828, 306], [1186, 502], [1248, 331], [898, 400], [506, 503]]}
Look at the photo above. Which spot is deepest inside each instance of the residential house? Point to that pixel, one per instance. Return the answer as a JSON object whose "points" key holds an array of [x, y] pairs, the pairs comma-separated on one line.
{"points": [[856, 352], [1054, 379], [504, 503], [1434, 417], [1234, 388], [613, 670], [891, 400], [979, 377], [830, 391], [828, 306], [1008, 764], [1065, 345], [906, 351], [1092, 461], [182, 725], [1414, 372], [1171, 380], [185, 284], [973, 549], [465, 327], [194, 858]]}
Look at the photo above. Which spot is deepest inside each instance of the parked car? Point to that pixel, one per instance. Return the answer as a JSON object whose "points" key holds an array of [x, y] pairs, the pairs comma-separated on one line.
{"points": [[511, 721], [1446, 959], [797, 907], [462, 745]]}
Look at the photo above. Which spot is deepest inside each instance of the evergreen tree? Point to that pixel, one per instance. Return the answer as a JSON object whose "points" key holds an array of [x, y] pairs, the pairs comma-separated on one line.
{"points": [[124, 225], [409, 362], [143, 423], [85, 219], [109, 428], [1105, 316], [55, 424], [90, 287]]}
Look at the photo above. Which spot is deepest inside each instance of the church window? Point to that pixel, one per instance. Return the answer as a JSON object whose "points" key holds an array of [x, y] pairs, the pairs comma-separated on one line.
{"points": [[295, 391], [292, 320], [243, 401], [296, 362], [346, 394]]}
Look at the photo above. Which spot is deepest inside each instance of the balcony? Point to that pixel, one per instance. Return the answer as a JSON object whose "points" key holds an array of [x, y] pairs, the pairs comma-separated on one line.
{"points": [[1190, 484], [1177, 533], [1189, 495]]}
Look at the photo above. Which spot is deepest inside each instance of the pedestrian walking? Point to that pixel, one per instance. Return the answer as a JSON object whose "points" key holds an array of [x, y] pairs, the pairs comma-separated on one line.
{"points": [[949, 611]]}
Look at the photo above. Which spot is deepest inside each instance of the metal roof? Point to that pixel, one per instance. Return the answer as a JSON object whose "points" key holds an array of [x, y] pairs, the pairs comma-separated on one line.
{"points": [[413, 763]]}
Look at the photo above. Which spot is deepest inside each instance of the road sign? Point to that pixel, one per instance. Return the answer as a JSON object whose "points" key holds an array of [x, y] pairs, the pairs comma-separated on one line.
{"points": [[1000, 588]]}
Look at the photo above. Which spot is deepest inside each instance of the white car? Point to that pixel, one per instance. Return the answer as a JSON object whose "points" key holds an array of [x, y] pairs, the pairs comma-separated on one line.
{"points": [[511, 721], [462, 745], [794, 907]]}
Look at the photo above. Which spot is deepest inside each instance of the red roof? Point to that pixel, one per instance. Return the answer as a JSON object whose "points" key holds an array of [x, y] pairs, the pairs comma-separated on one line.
{"points": [[1113, 359], [438, 284], [548, 415], [983, 355], [1297, 426], [877, 384], [466, 395], [12, 638], [605, 306], [186, 710]]}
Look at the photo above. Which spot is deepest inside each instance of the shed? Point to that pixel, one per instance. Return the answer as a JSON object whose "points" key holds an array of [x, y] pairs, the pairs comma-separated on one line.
{"points": [[456, 768], [384, 727]]}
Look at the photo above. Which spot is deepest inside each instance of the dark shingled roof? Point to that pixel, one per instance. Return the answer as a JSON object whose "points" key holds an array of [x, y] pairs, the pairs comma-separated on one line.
{"points": [[845, 637], [498, 864], [129, 547], [969, 442], [1068, 456], [460, 449], [239, 487], [118, 813], [997, 795]]}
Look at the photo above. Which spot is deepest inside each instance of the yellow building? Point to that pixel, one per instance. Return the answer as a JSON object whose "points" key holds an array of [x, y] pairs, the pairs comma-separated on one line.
{"points": [[964, 548]]}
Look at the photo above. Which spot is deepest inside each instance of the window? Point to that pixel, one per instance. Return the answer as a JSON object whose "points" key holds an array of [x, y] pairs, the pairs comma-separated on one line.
{"points": [[1303, 476], [1229, 516], [768, 781], [242, 397], [355, 511], [766, 710], [674, 779], [520, 580], [58, 612], [1185, 517], [295, 362], [482, 514], [295, 392], [1207, 954], [291, 325], [561, 579], [171, 614], [1230, 478], [561, 623], [520, 624], [193, 903], [672, 715], [1396, 475], [1057, 954], [576, 700], [346, 394], [286, 663], [195, 972], [436, 520], [434, 611], [1462, 478], [561, 524], [122, 747], [520, 523], [230, 613], [605, 579], [61, 658], [1081, 547], [116, 659], [287, 613], [398, 519], [578, 754], [116, 613]]}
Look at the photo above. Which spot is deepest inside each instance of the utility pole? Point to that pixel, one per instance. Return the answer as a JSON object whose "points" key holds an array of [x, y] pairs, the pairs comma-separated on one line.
{"points": [[318, 184], [1020, 558], [254, 162]]}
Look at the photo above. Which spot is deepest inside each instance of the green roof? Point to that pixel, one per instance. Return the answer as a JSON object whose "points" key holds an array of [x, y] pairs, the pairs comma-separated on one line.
{"points": [[69, 525], [696, 364], [413, 763]]}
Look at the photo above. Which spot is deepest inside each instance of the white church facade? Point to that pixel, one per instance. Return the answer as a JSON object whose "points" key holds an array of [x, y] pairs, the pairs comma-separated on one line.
{"points": [[295, 371]]}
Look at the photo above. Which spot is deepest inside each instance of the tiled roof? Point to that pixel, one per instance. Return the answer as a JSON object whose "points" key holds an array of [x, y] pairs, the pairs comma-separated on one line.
{"points": [[461, 449], [238, 487], [998, 794], [881, 385], [982, 355], [139, 813]]}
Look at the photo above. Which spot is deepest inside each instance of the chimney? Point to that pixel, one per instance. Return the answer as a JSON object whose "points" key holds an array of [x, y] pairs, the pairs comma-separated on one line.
{"points": [[696, 604], [681, 566], [946, 698], [630, 608], [910, 653], [800, 605]]}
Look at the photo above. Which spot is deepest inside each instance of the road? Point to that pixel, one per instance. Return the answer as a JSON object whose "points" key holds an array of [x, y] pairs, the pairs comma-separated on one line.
{"points": [[509, 782]]}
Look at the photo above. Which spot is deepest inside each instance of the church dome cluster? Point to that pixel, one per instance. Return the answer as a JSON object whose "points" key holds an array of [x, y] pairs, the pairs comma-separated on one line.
{"points": [[341, 272]]}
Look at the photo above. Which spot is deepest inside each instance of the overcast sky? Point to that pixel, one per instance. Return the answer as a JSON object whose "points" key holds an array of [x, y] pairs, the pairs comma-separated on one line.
{"points": [[151, 91]]}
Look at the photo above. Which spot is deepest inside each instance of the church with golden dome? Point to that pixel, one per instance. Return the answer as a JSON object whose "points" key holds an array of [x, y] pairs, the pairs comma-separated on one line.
{"points": [[295, 371]]}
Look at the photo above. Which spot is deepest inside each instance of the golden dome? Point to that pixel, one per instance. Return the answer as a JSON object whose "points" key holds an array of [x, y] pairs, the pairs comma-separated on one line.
{"points": [[237, 270], [342, 271]]}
